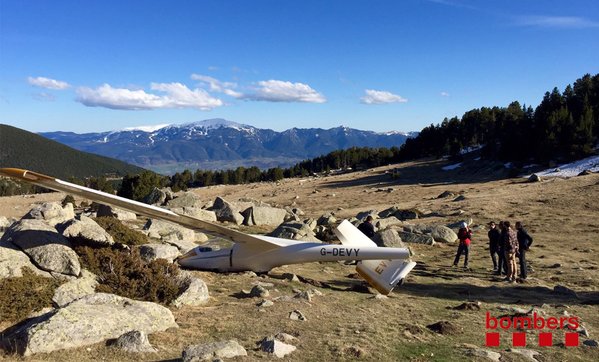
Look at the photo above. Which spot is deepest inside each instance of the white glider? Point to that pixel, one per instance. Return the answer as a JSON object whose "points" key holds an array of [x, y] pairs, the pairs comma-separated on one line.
{"points": [[381, 267]]}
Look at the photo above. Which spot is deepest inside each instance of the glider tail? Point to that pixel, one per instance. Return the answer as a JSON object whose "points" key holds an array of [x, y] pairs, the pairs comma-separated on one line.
{"points": [[383, 275]]}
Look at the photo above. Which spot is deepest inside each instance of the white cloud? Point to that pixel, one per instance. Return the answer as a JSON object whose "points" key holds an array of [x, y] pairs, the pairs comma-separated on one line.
{"points": [[381, 97], [283, 91], [176, 95], [444, 94], [48, 83], [217, 86], [556, 22]]}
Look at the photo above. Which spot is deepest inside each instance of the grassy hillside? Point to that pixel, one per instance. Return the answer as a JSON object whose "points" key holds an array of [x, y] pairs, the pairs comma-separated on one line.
{"points": [[23, 149]]}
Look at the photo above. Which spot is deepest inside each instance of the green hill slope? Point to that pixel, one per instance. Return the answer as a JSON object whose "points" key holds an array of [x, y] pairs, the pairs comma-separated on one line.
{"points": [[23, 149]]}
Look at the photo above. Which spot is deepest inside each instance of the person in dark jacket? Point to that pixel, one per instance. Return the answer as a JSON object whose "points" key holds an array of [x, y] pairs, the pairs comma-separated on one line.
{"points": [[524, 243], [494, 241], [366, 227], [465, 236], [511, 247], [502, 267]]}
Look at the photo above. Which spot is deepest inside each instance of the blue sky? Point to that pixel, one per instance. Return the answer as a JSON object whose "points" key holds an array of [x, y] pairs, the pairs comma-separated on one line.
{"points": [[379, 65]]}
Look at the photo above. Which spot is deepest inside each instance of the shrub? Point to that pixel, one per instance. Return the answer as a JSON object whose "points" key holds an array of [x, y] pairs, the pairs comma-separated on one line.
{"points": [[121, 233], [23, 295], [125, 273]]}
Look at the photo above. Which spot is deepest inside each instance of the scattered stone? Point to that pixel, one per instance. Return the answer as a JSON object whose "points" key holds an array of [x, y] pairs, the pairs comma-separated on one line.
{"points": [[555, 266], [534, 178], [527, 353], [111, 211], [284, 337], [91, 319], [513, 310], [5, 223], [290, 276], [196, 212], [265, 303], [354, 352], [150, 252], [212, 351], [51, 212], [585, 173], [296, 315], [444, 327], [183, 245], [195, 292], [468, 306], [306, 295], [276, 347], [457, 225], [13, 260], [483, 353], [326, 219], [165, 230], [459, 198], [560, 289], [295, 231], [258, 291], [157, 197], [416, 238], [364, 214], [388, 222], [134, 342], [75, 289], [225, 211], [446, 194], [388, 238], [260, 215], [591, 343], [86, 231], [187, 199], [47, 249], [379, 297]]}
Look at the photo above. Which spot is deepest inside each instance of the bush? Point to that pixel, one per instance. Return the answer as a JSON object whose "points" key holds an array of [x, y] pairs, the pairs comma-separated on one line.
{"points": [[124, 273], [121, 233], [22, 296]]}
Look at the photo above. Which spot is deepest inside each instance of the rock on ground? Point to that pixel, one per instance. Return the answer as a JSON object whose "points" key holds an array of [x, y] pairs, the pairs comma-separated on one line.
{"points": [[196, 212], [13, 260], [296, 231], [388, 238], [211, 351], [164, 230], [486, 354], [52, 212], [529, 354], [226, 211], [260, 215], [416, 238], [75, 289], [134, 342], [151, 252], [187, 199], [47, 249], [5, 223], [195, 292], [277, 348], [111, 211], [388, 222], [91, 319], [86, 231]]}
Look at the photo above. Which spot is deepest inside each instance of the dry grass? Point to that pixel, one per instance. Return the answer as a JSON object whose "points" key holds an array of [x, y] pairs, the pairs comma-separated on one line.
{"points": [[344, 323]]}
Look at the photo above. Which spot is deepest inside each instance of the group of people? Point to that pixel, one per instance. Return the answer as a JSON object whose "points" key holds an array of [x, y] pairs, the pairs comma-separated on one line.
{"points": [[505, 245]]}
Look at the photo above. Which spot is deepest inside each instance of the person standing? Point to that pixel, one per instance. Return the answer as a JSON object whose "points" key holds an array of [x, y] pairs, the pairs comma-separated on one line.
{"points": [[494, 242], [465, 236], [510, 245], [502, 267], [366, 227], [524, 243]]}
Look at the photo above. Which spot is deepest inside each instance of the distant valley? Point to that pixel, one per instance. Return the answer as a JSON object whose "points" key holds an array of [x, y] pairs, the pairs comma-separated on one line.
{"points": [[221, 144]]}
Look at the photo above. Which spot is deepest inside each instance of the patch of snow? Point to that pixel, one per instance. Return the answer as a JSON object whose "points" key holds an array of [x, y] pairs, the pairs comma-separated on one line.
{"points": [[508, 165], [477, 159], [146, 128], [573, 169], [451, 167], [466, 150]]}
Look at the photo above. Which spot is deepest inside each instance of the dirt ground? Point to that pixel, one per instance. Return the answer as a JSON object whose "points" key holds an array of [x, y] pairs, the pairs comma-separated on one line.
{"points": [[348, 323]]}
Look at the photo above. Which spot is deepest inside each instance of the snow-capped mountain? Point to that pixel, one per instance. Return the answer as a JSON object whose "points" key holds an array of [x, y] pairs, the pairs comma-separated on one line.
{"points": [[218, 143]]}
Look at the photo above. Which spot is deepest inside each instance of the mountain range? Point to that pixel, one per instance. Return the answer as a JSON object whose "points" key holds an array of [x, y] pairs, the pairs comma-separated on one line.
{"points": [[221, 144]]}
